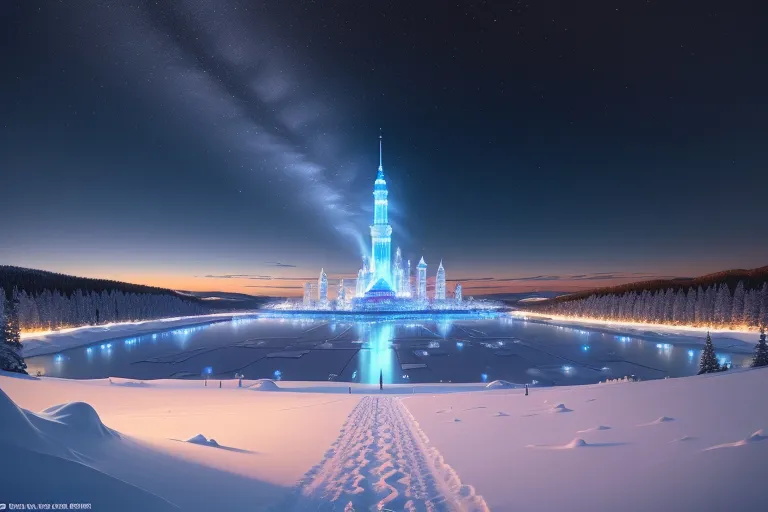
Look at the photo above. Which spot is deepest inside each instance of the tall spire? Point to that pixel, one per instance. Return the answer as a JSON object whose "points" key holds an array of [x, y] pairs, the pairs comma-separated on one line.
{"points": [[381, 167]]}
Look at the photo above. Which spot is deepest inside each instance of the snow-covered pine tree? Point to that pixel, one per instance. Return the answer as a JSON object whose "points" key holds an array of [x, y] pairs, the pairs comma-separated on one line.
{"points": [[723, 305], [750, 301], [737, 310], [10, 339], [762, 317], [761, 351], [708, 362]]}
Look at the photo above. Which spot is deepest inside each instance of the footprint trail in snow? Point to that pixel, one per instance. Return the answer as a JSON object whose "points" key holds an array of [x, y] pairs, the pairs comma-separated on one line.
{"points": [[382, 461]]}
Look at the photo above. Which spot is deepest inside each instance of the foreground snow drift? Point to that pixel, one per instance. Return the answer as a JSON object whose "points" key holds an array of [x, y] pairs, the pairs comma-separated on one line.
{"points": [[678, 444]]}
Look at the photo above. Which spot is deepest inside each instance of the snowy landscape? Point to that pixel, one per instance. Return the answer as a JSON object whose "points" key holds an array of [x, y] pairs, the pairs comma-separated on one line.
{"points": [[387, 256], [177, 445]]}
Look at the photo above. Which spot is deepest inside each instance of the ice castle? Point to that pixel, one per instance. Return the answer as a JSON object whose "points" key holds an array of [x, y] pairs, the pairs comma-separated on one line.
{"points": [[384, 284]]}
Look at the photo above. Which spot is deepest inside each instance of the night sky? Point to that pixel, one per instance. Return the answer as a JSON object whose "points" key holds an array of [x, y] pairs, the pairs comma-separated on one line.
{"points": [[233, 145]]}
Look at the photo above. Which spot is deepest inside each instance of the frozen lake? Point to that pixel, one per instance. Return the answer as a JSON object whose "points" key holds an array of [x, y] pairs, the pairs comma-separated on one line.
{"points": [[467, 348]]}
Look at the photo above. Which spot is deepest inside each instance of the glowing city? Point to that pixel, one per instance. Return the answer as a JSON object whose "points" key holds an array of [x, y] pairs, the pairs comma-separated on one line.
{"points": [[382, 285]]}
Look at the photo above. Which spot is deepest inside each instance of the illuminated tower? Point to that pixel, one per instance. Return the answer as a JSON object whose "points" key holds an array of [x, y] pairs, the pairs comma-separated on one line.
{"points": [[457, 294], [322, 287], [407, 280], [440, 283], [341, 298], [360, 286], [381, 231], [397, 273], [421, 291], [307, 294]]}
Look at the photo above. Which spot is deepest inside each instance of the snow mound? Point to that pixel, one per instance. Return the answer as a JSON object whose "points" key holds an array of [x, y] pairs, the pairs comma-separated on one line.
{"points": [[500, 384], [16, 427], [128, 383], [560, 408], [264, 385], [753, 438], [202, 440], [80, 418], [593, 429], [576, 443], [657, 421]]}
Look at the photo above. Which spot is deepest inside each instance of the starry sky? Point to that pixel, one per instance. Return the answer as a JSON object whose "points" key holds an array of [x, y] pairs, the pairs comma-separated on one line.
{"points": [[232, 145]]}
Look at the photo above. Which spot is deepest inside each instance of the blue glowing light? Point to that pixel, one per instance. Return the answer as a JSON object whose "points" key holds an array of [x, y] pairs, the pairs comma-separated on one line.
{"points": [[459, 345], [89, 350], [585, 348], [58, 358], [690, 353], [278, 375], [484, 377], [567, 369], [208, 370]]}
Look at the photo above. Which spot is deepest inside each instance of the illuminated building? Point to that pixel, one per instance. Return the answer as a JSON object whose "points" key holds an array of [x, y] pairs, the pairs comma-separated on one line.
{"points": [[421, 282], [381, 231], [397, 273], [384, 283], [407, 281], [322, 287], [440, 282], [341, 298]]}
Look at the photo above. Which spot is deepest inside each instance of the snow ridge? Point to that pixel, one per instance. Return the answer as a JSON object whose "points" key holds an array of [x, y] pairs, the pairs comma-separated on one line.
{"points": [[382, 461]]}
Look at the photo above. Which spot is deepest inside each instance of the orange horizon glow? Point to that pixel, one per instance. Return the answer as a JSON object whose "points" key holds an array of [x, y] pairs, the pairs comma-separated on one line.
{"points": [[287, 287], [289, 282]]}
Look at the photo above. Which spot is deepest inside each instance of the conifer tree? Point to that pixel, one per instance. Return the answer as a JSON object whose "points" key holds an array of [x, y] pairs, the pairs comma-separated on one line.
{"points": [[708, 362], [761, 351], [10, 340]]}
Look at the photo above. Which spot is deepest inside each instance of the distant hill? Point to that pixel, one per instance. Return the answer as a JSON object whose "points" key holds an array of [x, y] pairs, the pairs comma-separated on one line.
{"points": [[34, 282], [229, 300], [751, 279]]}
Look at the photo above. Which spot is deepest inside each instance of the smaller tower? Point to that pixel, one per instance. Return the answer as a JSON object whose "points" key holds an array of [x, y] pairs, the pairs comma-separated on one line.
{"points": [[457, 294], [307, 294], [341, 297], [322, 288], [421, 293], [440, 282], [407, 280], [397, 273], [360, 285]]}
